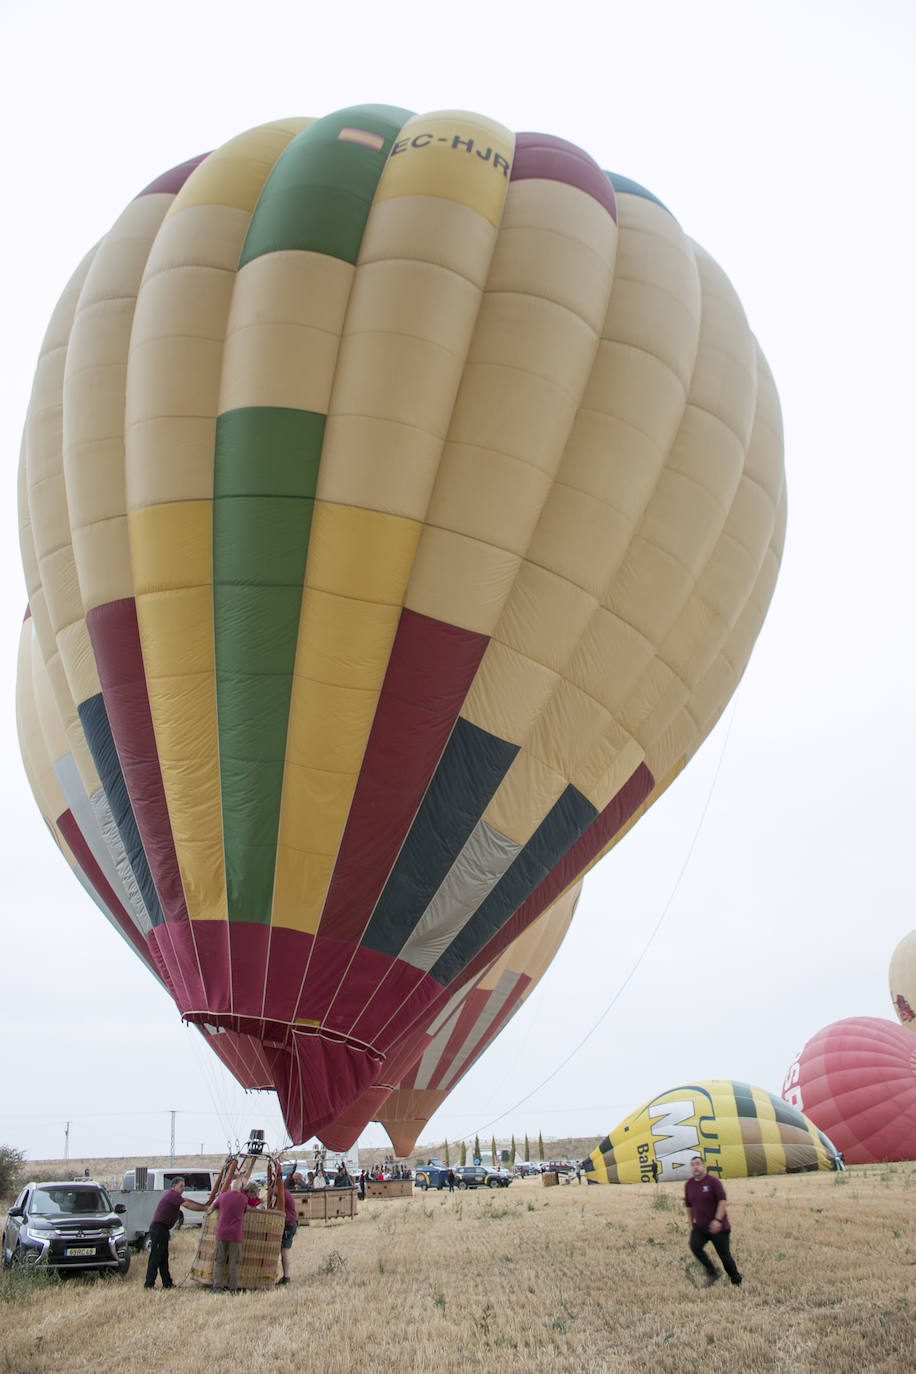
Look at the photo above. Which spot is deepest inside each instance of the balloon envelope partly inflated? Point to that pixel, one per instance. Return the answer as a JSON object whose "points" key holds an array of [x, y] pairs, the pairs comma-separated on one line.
{"points": [[738, 1129], [400, 500]]}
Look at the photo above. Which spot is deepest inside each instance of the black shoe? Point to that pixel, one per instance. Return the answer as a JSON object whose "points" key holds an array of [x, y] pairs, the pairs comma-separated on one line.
{"points": [[280, 1282], [736, 1281], [710, 1280]]}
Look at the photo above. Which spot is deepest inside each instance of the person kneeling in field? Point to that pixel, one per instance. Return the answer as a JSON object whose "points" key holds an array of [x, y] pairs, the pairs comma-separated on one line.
{"points": [[704, 1198], [289, 1230], [227, 1250]]}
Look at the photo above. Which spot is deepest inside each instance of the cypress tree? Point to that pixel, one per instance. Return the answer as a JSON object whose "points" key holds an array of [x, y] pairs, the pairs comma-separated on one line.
{"points": [[512, 1152], [476, 1150], [541, 1155], [493, 1155], [463, 1154], [445, 1154], [527, 1151]]}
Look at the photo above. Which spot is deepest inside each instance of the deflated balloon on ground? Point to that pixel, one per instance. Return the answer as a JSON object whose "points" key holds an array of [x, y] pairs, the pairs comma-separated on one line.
{"points": [[739, 1131]]}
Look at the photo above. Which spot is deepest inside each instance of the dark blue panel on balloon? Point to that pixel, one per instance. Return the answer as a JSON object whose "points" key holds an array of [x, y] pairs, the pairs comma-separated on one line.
{"points": [[94, 720], [472, 766], [559, 830]]}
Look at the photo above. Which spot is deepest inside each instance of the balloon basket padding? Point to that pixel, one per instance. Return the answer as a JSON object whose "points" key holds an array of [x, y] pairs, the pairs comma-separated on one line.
{"points": [[262, 1231], [550, 1179]]}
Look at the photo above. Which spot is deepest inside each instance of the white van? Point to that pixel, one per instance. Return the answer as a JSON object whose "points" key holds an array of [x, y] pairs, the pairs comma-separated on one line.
{"points": [[198, 1184]]}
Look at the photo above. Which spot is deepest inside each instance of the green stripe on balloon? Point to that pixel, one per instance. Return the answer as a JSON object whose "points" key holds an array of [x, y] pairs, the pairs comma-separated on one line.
{"points": [[316, 199], [318, 196], [264, 496]]}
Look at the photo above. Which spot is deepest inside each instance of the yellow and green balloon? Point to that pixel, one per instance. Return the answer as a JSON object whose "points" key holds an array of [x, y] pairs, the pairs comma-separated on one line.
{"points": [[738, 1129], [400, 500]]}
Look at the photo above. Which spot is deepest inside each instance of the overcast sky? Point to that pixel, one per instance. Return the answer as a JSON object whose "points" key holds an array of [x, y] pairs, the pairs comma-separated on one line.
{"points": [[780, 864]]}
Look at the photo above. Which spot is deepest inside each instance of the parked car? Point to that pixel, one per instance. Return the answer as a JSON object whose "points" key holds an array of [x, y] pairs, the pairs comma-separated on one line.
{"points": [[476, 1176], [432, 1176], [68, 1226]]}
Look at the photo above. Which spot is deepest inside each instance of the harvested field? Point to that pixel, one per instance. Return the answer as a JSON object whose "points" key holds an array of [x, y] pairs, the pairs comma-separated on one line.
{"points": [[573, 1279]]}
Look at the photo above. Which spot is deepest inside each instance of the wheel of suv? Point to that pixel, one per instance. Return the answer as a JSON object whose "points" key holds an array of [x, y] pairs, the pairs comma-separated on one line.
{"points": [[463, 1183], [492, 1182]]}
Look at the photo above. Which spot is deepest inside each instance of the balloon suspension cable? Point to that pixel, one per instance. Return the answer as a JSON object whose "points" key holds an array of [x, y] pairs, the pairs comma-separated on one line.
{"points": [[646, 947]]}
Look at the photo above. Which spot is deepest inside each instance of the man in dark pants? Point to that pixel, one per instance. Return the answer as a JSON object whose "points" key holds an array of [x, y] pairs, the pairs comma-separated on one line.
{"points": [[164, 1218], [704, 1198]]}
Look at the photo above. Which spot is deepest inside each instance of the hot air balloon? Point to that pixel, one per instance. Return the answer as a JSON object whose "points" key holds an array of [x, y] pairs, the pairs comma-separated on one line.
{"points": [[857, 1080], [738, 1129], [902, 978], [400, 501]]}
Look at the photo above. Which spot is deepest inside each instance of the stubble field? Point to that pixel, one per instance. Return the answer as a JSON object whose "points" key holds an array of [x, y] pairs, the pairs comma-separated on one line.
{"points": [[564, 1280]]}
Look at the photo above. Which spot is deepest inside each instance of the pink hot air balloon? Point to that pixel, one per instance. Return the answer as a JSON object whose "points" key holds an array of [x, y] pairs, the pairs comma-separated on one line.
{"points": [[856, 1079]]}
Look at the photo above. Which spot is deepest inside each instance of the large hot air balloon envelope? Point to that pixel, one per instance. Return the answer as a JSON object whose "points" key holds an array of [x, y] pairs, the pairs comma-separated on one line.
{"points": [[902, 978], [738, 1129], [400, 500], [857, 1079]]}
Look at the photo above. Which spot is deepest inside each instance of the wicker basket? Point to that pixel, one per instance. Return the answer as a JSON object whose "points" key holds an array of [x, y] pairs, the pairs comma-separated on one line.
{"points": [[262, 1231]]}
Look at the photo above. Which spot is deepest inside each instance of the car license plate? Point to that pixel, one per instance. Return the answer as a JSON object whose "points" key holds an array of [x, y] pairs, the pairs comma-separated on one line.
{"points": [[80, 1250]]}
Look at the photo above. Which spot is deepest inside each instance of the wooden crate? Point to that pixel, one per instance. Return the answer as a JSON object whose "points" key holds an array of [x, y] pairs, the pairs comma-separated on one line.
{"points": [[324, 1204], [262, 1231], [388, 1188], [550, 1179]]}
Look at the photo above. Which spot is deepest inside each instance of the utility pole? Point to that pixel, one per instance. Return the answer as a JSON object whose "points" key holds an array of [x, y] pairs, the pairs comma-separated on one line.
{"points": [[67, 1141], [172, 1142]]}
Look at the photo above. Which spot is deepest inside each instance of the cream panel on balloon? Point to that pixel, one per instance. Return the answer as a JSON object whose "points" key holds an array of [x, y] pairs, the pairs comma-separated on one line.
{"points": [[732, 568], [35, 757], [179, 325], [50, 521], [384, 464], [533, 351], [581, 538], [284, 330], [657, 313], [712, 691], [94, 401]]}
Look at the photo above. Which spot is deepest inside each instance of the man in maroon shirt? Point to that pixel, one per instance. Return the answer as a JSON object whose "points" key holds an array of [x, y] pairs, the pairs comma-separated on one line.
{"points": [[291, 1226], [704, 1198], [168, 1209], [227, 1250]]}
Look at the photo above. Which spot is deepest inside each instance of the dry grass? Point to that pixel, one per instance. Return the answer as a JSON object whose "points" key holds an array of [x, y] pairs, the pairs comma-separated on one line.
{"points": [[570, 1280]]}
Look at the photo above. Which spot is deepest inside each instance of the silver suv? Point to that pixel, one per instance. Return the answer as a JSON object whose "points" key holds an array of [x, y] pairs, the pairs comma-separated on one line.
{"points": [[67, 1226]]}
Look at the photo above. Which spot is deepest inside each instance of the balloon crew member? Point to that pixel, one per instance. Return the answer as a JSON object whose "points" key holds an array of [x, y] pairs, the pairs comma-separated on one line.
{"points": [[168, 1209], [291, 1226], [704, 1198], [227, 1250]]}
